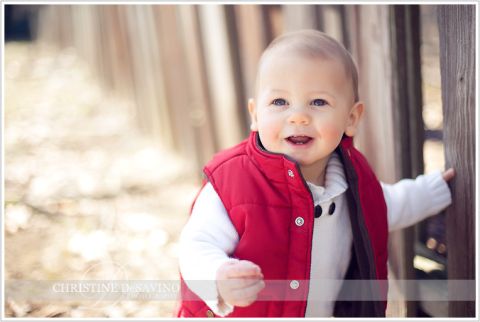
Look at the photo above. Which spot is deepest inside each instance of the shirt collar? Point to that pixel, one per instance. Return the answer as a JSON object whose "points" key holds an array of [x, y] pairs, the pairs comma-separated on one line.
{"points": [[335, 181]]}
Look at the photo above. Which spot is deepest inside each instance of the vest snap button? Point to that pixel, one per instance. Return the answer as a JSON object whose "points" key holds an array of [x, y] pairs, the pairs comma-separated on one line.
{"points": [[294, 284], [299, 221], [210, 314], [290, 173]]}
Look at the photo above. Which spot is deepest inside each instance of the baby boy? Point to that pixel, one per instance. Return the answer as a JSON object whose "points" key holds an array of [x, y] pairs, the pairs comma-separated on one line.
{"points": [[296, 206]]}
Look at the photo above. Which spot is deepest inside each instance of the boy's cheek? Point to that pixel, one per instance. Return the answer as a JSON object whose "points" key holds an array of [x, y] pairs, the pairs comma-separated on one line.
{"points": [[332, 134], [268, 128], [267, 138]]}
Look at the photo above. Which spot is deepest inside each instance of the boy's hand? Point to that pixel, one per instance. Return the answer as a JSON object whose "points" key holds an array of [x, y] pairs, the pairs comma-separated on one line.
{"points": [[448, 174], [238, 283]]}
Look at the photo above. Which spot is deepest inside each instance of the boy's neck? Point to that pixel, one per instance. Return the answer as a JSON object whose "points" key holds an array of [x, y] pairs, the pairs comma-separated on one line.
{"points": [[315, 173]]}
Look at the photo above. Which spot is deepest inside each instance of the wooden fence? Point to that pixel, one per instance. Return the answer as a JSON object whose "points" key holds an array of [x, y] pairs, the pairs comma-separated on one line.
{"points": [[457, 54], [191, 69]]}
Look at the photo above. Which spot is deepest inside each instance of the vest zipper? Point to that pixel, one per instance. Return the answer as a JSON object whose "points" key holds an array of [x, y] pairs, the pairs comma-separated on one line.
{"points": [[312, 204], [263, 150]]}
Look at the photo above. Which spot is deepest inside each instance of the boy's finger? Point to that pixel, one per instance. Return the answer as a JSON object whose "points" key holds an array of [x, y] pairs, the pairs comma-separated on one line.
{"points": [[243, 269], [448, 174], [248, 292], [241, 283]]}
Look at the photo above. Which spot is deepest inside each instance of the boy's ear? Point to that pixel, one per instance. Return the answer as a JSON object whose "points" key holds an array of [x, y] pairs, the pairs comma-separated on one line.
{"points": [[354, 118], [253, 114]]}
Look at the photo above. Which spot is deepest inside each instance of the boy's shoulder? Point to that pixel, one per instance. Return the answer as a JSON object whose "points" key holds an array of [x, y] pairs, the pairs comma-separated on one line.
{"points": [[227, 155]]}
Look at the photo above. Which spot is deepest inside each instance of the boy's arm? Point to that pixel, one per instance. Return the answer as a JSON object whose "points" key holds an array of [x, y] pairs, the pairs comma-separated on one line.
{"points": [[205, 242], [410, 201]]}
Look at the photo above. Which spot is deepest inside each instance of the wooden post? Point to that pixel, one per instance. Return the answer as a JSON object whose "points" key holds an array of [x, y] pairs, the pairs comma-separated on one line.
{"points": [[86, 34], [148, 75], [252, 37], [252, 40], [239, 86], [273, 18], [220, 74], [176, 85], [408, 125], [121, 61], [331, 18], [456, 25], [64, 19], [372, 53], [301, 17], [201, 115]]}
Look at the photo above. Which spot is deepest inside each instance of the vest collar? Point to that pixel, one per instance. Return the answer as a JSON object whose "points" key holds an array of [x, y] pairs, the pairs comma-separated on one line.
{"points": [[282, 168]]}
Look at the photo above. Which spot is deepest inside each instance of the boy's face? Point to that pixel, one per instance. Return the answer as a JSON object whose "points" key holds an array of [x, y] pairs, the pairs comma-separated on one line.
{"points": [[303, 107]]}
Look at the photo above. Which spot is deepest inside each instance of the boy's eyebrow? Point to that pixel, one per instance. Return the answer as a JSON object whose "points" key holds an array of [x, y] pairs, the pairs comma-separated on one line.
{"points": [[276, 90], [320, 92], [330, 95], [309, 93]]}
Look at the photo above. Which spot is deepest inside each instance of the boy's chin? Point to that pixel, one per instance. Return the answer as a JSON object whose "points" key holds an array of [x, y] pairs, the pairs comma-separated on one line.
{"points": [[311, 163], [302, 162]]}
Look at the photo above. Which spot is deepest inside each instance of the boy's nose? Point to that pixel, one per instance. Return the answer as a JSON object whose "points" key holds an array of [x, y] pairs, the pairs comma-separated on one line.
{"points": [[299, 116]]}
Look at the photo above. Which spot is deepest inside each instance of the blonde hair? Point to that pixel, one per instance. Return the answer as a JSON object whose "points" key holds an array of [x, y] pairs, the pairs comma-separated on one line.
{"points": [[315, 44]]}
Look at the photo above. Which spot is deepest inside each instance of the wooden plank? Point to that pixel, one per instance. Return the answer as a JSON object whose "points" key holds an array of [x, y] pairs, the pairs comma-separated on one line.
{"points": [[273, 21], [97, 40], [201, 110], [408, 125], [49, 25], [84, 33], [118, 51], [237, 71], [220, 75], [106, 49], [350, 23], [123, 64], [456, 25], [301, 17], [373, 57], [342, 11], [148, 76], [252, 40], [177, 83], [128, 16], [331, 17], [94, 39], [65, 22], [407, 92]]}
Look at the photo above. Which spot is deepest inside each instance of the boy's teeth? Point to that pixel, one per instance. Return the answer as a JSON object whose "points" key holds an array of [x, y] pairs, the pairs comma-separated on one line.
{"points": [[299, 139]]}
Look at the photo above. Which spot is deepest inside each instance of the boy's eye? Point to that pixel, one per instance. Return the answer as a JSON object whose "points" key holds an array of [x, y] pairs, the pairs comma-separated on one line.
{"points": [[279, 102], [319, 102]]}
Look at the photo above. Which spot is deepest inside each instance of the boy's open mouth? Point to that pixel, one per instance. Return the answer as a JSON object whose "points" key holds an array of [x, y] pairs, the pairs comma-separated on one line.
{"points": [[299, 140]]}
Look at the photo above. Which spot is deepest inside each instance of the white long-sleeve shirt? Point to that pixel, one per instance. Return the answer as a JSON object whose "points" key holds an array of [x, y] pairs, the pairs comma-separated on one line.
{"points": [[209, 237]]}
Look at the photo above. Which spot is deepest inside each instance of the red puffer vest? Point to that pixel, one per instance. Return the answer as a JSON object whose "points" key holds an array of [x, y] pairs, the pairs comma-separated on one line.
{"points": [[263, 194]]}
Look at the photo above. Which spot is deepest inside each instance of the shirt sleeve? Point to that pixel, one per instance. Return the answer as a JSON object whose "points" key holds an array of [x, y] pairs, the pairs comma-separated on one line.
{"points": [[205, 243], [410, 201]]}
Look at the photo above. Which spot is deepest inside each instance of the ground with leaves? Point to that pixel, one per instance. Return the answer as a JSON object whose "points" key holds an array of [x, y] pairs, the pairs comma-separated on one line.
{"points": [[86, 195]]}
